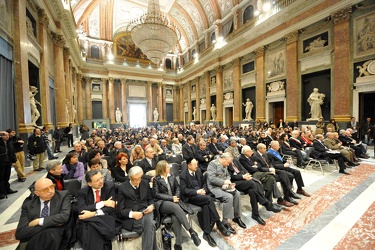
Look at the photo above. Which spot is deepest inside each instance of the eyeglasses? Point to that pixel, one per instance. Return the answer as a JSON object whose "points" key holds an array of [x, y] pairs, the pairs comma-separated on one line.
{"points": [[97, 180], [47, 189]]}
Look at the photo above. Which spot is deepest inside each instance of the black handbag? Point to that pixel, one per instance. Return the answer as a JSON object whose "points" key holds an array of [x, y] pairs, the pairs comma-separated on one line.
{"points": [[186, 207]]}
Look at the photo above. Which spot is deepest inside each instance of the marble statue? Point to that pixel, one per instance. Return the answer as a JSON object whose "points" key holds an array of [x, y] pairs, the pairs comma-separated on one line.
{"points": [[35, 114], [74, 113], [248, 109], [316, 100], [213, 112], [194, 113], [118, 115], [67, 110], [156, 115]]}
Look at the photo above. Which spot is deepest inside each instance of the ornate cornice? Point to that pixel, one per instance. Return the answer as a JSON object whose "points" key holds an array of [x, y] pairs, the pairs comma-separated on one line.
{"points": [[79, 77], [66, 52], [342, 15], [259, 51], [57, 39], [291, 37], [43, 18]]}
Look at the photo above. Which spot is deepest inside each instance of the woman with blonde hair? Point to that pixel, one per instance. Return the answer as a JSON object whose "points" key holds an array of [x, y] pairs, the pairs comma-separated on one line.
{"points": [[137, 154]]}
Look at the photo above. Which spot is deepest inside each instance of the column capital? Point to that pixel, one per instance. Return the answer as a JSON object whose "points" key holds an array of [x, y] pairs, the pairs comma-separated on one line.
{"points": [[219, 69], [342, 15], [43, 18], [111, 80], [260, 51], [57, 39], [104, 80], [291, 37], [236, 61], [123, 80], [79, 76], [66, 52], [87, 79]]}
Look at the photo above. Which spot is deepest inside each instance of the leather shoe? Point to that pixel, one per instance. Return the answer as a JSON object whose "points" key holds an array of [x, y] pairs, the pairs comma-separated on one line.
{"points": [[285, 203], [223, 230], [343, 172], [177, 247], [303, 192], [39, 169], [294, 195], [291, 200], [11, 191], [239, 222], [195, 238], [209, 240], [271, 207], [258, 219], [21, 179], [2, 196], [230, 229]]}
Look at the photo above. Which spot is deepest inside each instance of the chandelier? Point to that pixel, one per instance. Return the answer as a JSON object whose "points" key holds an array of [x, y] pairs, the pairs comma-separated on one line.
{"points": [[153, 33]]}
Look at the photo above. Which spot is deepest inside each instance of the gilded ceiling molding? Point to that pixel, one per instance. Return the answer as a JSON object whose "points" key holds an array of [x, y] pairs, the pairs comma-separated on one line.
{"points": [[201, 13], [87, 12], [183, 33], [188, 18], [342, 15]]}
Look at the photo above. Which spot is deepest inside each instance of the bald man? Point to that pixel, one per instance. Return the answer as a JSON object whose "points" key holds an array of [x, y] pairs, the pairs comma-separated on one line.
{"points": [[43, 217]]}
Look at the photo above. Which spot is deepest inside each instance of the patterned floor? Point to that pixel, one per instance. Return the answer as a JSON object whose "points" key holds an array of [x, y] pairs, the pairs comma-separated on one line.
{"points": [[340, 214]]}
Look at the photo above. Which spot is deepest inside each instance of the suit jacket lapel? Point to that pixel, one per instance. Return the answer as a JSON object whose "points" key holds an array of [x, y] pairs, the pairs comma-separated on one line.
{"points": [[129, 188]]}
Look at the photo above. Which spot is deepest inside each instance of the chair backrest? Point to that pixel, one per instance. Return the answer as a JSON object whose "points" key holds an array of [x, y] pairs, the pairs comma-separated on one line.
{"points": [[183, 166], [136, 162], [175, 159], [73, 186], [174, 169], [105, 157], [308, 151]]}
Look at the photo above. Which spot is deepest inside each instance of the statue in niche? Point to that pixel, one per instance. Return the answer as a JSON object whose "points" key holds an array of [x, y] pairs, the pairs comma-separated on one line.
{"points": [[194, 113], [213, 112], [248, 109], [35, 114], [315, 100], [74, 113], [118, 115], [67, 110], [156, 115]]}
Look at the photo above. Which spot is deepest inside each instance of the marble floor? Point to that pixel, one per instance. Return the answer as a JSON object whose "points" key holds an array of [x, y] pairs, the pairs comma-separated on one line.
{"points": [[340, 214]]}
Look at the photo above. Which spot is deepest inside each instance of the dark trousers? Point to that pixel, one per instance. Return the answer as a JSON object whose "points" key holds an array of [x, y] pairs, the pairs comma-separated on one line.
{"points": [[286, 180], [209, 212], [57, 146], [297, 153], [268, 180], [340, 159], [255, 191], [70, 140], [297, 176], [47, 239], [5, 169]]}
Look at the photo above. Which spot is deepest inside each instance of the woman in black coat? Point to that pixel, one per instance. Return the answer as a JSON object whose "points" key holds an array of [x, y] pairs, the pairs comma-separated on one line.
{"points": [[166, 192], [120, 171]]}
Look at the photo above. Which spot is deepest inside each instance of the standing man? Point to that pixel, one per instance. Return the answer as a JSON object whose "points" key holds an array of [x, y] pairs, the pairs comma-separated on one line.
{"points": [[193, 191], [7, 160], [18, 147], [69, 132], [46, 142], [37, 147]]}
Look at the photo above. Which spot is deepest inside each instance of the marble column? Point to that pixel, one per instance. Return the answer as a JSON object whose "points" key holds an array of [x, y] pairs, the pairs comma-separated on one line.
{"points": [[197, 100], [237, 94], [219, 94], [208, 95], [181, 103], [341, 65], [190, 109], [105, 98], [160, 102], [44, 68], [60, 97], [88, 100], [260, 84], [74, 95], [80, 106], [68, 86], [124, 106], [111, 97], [149, 98], [292, 79], [175, 104], [164, 90], [21, 71]]}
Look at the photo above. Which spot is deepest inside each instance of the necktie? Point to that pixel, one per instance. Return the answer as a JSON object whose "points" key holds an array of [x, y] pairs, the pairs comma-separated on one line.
{"points": [[44, 210], [264, 159], [235, 168], [193, 174], [97, 196]]}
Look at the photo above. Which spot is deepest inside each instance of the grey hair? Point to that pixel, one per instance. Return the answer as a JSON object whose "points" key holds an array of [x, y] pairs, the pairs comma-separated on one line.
{"points": [[245, 149], [272, 143], [117, 142], [51, 165], [225, 156], [90, 174], [232, 140], [261, 145], [135, 171]]}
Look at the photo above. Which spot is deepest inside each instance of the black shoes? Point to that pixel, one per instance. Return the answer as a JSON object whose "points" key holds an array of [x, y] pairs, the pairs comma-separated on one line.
{"points": [[209, 240], [195, 238], [294, 195], [272, 208], [343, 172], [177, 247], [230, 229], [21, 179], [223, 230], [2, 196], [239, 222], [11, 191], [258, 219], [291, 200]]}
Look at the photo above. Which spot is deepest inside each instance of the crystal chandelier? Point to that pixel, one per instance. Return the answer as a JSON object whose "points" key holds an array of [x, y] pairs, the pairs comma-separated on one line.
{"points": [[153, 33]]}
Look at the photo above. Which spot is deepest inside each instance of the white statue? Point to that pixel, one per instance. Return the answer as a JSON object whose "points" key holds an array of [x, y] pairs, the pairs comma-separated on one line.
{"points": [[35, 114], [156, 115], [118, 115], [249, 108], [316, 100], [74, 113], [213, 112], [67, 110], [194, 113]]}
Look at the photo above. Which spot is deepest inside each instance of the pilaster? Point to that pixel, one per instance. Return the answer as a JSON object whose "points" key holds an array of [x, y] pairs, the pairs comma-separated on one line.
{"points": [[124, 106], [292, 86], [260, 84], [80, 106], [105, 98], [111, 94], [198, 100], [88, 101], [219, 94], [237, 93], [208, 95]]}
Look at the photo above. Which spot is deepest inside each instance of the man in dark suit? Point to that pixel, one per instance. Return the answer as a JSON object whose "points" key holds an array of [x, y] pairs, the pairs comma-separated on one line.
{"points": [[36, 147], [278, 163], [282, 176], [96, 226], [118, 148], [148, 164], [189, 149], [193, 191], [135, 207], [43, 217], [213, 147], [7, 160], [204, 156], [323, 152]]}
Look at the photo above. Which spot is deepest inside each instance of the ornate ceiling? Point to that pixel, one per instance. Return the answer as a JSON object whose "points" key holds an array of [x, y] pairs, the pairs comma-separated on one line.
{"points": [[105, 19]]}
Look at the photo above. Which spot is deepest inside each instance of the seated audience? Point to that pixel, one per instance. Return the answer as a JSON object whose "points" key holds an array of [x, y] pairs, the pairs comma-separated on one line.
{"points": [[204, 156], [114, 152], [148, 164], [97, 154], [137, 154], [72, 168], [94, 164], [166, 192], [176, 146], [120, 172], [55, 173], [214, 147], [189, 149]]}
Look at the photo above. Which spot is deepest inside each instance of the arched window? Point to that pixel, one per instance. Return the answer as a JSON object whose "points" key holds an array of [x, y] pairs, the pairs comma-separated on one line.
{"points": [[95, 52], [248, 14], [168, 63]]}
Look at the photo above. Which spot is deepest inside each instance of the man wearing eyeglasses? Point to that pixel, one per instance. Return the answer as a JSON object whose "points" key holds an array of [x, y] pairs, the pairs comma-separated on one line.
{"points": [[43, 217], [96, 208]]}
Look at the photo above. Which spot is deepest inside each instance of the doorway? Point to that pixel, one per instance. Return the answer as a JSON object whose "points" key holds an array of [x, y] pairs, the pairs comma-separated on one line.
{"points": [[137, 115], [366, 106], [228, 117], [276, 112]]}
